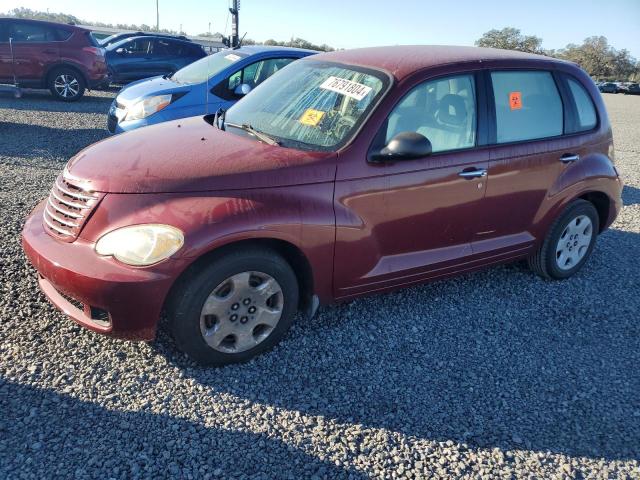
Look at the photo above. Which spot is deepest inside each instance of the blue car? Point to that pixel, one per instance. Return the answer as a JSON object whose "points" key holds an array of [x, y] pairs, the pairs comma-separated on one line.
{"points": [[147, 56], [214, 82]]}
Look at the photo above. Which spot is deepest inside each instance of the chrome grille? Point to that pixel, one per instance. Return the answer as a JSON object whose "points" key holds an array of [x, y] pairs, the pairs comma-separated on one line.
{"points": [[67, 209]]}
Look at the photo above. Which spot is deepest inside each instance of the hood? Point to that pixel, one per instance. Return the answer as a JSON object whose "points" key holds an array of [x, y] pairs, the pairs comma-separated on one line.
{"points": [[149, 87], [190, 155]]}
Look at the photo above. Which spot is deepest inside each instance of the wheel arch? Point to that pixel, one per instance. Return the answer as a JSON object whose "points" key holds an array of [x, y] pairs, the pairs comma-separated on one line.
{"points": [[291, 253], [602, 204], [60, 65]]}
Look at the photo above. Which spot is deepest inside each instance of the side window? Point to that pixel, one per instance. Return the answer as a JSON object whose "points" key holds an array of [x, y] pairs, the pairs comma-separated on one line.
{"points": [[140, 46], [443, 110], [587, 118], [256, 73], [31, 32], [167, 48], [528, 105], [4, 31], [63, 34]]}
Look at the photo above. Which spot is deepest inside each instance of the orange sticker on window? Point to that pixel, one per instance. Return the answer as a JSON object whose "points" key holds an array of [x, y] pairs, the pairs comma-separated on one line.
{"points": [[311, 117], [515, 100]]}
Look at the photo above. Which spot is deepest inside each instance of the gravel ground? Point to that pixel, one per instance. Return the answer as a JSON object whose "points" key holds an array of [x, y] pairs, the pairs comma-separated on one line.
{"points": [[495, 374]]}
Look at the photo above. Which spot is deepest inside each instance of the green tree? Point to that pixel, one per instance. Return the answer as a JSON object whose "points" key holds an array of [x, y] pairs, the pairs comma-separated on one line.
{"points": [[510, 39], [600, 60]]}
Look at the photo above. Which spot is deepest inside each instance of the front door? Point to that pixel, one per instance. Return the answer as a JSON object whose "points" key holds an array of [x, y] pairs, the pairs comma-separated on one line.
{"points": [[400, 223]]}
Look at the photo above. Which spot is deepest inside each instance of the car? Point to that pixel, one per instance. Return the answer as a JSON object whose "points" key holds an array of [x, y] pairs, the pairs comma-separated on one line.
{"points": [[633, 89], [345, 174], [211, 83], [117, 37], [62, 58], [608, 87], [147, 56]]}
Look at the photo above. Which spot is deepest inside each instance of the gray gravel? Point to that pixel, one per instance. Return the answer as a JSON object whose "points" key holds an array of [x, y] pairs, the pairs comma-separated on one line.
{"points": [[495, 374]]}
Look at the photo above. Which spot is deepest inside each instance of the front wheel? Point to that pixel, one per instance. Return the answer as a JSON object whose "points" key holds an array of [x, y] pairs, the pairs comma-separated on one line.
{"points": [[66, 84], [239, 306], [569, 242]]}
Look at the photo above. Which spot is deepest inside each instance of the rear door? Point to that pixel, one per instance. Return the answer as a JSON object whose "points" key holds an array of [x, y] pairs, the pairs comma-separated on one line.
{"points": [[35, 49], [166, 57], [526, 160]]}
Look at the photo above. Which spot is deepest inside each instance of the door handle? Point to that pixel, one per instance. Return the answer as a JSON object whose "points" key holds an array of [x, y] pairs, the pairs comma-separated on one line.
{"points": [[469, 174], [569, 158]]}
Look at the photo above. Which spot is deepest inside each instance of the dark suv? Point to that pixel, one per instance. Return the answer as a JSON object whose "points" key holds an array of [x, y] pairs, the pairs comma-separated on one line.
{"points": [[147, 56], [63, 58]]}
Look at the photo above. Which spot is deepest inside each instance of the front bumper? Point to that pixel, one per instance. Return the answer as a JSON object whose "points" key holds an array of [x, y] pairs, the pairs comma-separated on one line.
{"points": [[96, 292]]}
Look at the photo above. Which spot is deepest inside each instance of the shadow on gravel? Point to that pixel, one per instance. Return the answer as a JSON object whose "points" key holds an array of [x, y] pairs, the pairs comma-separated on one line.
{"points": [[44, 102], [103, 443], [499, 358], [630, 195], [35, 142]]}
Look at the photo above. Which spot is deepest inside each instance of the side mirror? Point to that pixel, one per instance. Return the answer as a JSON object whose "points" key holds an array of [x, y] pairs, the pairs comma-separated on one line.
{"points": [[404, 146], [242, 90]]}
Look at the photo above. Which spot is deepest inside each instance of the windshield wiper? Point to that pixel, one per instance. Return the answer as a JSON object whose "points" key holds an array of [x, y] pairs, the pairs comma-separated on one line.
{"points": [[256, 133]]}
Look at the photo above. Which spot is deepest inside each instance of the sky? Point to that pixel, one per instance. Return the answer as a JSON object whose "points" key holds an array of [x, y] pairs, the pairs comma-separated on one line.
{"points": [[361, 23]]}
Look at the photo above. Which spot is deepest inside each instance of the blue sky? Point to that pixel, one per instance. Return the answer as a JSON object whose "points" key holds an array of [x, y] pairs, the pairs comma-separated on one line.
{"points": [[359, 23]]}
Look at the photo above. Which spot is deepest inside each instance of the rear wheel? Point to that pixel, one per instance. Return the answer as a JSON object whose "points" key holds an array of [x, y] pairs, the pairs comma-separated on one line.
{"points": [[66, 84], [569, 242], [239, 306]]}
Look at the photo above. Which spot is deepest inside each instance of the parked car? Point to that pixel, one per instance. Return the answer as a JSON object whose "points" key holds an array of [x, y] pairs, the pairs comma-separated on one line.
{"points": [[345, 174], [608, 87], [63, 58], [633, 89], [214, 82], [117, 37], [147, 56]]}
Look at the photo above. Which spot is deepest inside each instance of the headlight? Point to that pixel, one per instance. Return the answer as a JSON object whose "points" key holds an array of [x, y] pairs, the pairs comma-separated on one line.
{"points": [[146, 107], [141, 245]]}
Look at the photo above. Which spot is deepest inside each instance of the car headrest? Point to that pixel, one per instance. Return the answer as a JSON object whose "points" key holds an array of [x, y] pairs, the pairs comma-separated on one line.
{"points": [[452, 110]]}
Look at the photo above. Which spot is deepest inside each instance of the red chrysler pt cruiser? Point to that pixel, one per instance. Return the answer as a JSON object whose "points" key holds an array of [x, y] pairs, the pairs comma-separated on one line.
{"points": [[345, 174]]}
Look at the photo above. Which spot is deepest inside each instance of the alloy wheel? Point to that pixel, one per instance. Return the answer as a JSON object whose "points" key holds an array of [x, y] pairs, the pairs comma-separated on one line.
{"points": [[67, 86]]}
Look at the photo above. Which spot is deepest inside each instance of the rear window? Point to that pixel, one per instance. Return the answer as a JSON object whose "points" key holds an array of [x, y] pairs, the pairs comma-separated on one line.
{"points": [[528, 106], [587, 118]]}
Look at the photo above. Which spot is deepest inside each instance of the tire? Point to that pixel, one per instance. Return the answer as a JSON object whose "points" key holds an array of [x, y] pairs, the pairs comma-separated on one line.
{"points": [[204, 303], [66, 84], [571, 226]]}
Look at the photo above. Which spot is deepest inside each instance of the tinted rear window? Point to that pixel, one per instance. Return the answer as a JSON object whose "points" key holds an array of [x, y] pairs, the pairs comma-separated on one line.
{"points": [[31, 32], [587, 118], [528, 106]]}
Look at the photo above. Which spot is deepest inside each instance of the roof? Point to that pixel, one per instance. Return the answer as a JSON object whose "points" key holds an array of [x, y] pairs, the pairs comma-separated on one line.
{"points": [[403, 60], [45, 22], [252, 49]]}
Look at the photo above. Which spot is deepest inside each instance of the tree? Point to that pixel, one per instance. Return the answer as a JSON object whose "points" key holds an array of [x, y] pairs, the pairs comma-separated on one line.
{"points": [[510, 39], [600, 60]]}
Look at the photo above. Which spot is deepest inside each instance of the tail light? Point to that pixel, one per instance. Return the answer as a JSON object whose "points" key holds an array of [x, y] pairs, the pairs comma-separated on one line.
{"points": [[94, 50]]}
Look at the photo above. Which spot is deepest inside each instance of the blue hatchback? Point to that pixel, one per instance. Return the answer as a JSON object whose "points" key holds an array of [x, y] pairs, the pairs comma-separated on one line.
{"points": [[211, 83]]}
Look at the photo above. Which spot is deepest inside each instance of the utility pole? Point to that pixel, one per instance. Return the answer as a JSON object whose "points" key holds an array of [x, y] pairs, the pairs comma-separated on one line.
{"points": [[157, 16], [235, 23]]}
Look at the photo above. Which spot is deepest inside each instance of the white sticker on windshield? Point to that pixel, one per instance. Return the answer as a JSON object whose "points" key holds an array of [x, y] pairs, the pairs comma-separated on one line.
{"points": [[233, 57], [346, 87]]}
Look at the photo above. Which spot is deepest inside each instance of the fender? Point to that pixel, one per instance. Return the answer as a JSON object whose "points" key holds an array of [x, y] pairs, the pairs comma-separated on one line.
{"points": [[299, 215], [592, 174]]}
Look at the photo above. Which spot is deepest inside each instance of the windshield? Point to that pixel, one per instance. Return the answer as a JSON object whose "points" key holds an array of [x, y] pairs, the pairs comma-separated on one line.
{"points": [[203, 69], [311, 105]]}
